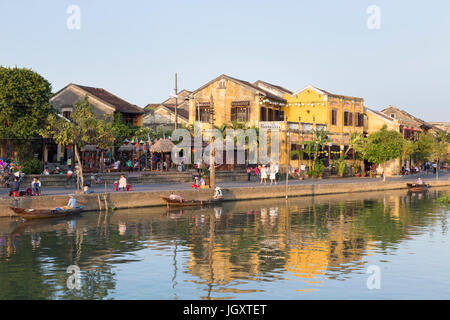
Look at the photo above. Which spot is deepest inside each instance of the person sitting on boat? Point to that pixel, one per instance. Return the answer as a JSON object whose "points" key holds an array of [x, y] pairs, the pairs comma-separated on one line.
{"points": [[218, 194], [176, 197], [419, 182], [72, 203]]}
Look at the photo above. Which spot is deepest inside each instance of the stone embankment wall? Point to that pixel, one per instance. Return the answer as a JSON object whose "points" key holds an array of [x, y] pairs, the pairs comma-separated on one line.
{"points": [[140, 199]]}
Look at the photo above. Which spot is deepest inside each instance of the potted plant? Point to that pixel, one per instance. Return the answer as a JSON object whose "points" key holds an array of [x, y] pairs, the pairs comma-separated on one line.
{"points": [[356, 169], [341, 167], [205, 175]]}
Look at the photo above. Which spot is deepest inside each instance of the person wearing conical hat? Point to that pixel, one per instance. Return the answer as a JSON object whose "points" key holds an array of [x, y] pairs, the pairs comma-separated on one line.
{"points": [[218, 194]]}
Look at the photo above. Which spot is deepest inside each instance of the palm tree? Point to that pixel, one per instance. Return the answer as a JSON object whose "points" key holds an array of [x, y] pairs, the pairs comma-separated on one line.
{"points": [[319, 140]]}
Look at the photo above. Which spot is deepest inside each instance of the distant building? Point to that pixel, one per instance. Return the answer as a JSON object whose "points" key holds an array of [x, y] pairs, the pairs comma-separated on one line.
{"points": [[445, 126], [102, 101], [163, 115], [409, 125]]}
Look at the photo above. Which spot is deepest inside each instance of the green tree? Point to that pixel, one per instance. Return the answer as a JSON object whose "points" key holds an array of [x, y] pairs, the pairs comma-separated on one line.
{"points": [[24, 105], [409, 149], [120, 130], [382, 146], [83, 128], [425, 145], [440, 150], [319, 140]]}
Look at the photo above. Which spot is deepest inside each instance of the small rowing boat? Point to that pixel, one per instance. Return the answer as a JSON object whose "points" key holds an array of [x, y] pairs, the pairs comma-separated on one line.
{"points": [[412, 187], [30, 214], [180, 202]]}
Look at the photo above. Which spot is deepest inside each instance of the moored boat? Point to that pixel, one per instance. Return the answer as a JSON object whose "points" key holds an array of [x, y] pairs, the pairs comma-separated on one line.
{"points": [[412, 187], [30, 214], [180, 202]]}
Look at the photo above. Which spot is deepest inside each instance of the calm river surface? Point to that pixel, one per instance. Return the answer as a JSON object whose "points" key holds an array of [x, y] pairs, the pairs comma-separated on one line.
{"points": [[310, 248]]}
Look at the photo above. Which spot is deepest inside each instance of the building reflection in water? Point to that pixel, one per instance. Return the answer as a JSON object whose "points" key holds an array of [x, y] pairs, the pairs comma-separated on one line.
{"points": [[225, 251]]}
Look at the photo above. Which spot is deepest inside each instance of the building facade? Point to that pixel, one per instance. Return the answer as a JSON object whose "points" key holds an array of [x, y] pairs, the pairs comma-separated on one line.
{"points": [[103, 104], [233, 100]]}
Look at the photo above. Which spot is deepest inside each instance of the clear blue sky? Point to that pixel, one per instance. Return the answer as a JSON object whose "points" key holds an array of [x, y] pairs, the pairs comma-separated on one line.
{"points": [[133, 48]]}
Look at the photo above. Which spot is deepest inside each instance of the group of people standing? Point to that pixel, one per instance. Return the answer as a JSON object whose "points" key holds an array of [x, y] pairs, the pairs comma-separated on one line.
{"points": [[262, 172]]}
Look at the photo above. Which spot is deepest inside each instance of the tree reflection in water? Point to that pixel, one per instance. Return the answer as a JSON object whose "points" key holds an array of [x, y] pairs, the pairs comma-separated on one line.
{"points": [[223, 251]]}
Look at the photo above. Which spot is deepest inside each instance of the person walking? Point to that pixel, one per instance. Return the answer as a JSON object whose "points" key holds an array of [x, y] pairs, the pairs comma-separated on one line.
{"points": [[257, 173], [249, 172], [263, 174], [272, 175], [277, 174]]}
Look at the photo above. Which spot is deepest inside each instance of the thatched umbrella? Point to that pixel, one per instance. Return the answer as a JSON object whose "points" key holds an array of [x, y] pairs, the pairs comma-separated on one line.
{"points": [[162, 146]]}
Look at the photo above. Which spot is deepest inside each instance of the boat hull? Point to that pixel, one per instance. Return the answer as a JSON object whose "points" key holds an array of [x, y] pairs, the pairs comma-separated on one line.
{"points": [[33, 214], [188, 203], [417, 188]]}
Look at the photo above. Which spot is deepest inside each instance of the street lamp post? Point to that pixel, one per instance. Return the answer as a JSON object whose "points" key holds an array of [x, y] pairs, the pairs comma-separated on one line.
{"points": [[287, 157], [212, 171], [176, 100]]}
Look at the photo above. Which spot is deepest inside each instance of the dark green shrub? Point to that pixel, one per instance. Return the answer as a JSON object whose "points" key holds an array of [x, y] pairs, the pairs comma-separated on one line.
{"points": [[33, 166]]}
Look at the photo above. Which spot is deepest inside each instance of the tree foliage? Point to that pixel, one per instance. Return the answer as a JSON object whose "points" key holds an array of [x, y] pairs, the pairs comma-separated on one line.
{"points": [[24, 102], [383, 145], [82, 129], [424, 147]]}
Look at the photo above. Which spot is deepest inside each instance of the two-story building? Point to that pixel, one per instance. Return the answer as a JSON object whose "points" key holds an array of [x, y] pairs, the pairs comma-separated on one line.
{"points": [[104, 105], [231, 99], [312, 108]]}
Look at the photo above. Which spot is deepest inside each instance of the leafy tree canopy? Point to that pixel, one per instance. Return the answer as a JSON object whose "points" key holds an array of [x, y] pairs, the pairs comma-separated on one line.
{"points": [[425, 147], [24, 102], [383, 145]]}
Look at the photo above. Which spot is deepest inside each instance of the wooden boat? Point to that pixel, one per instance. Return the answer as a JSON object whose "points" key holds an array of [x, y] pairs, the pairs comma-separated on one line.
{"points": [[30, 214], [188, 203], [412, 187]]}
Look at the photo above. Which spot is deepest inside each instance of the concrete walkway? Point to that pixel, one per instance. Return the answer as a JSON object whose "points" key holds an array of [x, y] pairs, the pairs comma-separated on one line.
{"points": [[237, 184]]}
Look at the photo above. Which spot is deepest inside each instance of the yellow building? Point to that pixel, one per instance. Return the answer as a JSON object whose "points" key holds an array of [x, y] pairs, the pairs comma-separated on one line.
{"points": [[312, 107], [231, 99]]}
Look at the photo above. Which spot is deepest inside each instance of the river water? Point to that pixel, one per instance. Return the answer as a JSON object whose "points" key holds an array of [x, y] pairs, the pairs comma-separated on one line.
{"points": [[387, 245]]}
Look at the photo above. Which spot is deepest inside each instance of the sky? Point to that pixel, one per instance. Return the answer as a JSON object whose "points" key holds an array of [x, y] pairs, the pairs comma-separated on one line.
{"points": [[133, 48]]}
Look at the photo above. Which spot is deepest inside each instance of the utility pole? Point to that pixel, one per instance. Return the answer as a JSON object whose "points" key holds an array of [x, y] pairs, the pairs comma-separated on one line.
{"points": [[212, 169], [287, 157], [176, 100]]}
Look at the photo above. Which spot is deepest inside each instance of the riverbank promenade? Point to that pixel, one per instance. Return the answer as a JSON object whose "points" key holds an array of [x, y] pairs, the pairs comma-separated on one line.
{"points": [[100, 188]]}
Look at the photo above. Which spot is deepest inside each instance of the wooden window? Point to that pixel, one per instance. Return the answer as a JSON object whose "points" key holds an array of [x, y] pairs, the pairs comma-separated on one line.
{"points": [[334, 117], [67, 114], [263, 116], [348, 118], [360, 119], [205, 114], [240, 114]]}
